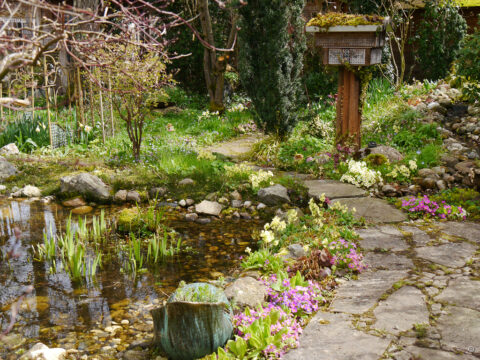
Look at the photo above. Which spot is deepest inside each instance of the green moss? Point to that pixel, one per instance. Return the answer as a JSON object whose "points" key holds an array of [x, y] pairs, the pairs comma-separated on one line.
{"points": [[376, 159], [340, 19], [129, 220]]}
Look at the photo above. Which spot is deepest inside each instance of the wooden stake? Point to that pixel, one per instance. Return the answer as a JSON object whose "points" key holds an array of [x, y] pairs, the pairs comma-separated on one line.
{"points": [[91, 103], [45, 74], [33, 94], [101, 112], [1, 95], [80, 97], [111, 101]]}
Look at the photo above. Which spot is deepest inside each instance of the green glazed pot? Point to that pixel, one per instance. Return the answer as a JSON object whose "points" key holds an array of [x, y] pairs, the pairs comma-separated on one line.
{"points": [[190, 330]]}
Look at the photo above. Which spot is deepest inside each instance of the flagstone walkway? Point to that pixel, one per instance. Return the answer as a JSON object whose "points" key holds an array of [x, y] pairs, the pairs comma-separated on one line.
{"points": [[419, 299]]}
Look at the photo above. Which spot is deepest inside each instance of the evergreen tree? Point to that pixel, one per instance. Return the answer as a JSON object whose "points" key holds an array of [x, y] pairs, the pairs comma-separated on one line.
{"points": [[272, 43]]}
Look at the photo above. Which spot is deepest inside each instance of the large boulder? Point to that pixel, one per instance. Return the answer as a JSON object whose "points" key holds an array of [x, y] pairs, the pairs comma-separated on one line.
{"points": [[86, 184], [6, 169], [392, 154], [274, 195], [10, 149], [209, 208], [246, 291]]}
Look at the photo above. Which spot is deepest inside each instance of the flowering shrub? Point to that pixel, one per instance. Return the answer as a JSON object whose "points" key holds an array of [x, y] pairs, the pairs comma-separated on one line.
{"points": [[345, 255], [260, 178], [360, 175], [425, 207], [246, 128]]}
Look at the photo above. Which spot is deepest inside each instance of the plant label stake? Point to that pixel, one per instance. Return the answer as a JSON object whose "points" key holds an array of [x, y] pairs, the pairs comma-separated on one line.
{"points": [[349, 47]]}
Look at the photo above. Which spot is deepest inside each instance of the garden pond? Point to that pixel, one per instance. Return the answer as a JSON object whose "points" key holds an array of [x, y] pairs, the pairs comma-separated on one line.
{"points": [[80, 315]]}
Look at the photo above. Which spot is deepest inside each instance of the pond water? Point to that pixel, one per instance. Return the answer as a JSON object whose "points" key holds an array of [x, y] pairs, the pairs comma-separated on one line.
{"points": [[59, 312]]}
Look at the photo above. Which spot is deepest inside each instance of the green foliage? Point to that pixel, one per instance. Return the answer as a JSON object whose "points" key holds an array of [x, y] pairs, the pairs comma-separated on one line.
{"points": [[468, 199], [468, 65], [161, 246], [271, 60], [429, 156], [438, 38], [408, 140], [27, 133], [263, 260], [197, 293]]}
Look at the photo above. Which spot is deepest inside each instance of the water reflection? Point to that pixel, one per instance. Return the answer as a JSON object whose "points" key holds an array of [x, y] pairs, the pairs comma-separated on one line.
{"points": [[75, 307]]}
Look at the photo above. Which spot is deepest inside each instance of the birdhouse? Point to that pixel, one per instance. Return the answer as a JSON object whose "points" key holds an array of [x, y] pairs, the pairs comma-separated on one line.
{"points": [[348, 41]]}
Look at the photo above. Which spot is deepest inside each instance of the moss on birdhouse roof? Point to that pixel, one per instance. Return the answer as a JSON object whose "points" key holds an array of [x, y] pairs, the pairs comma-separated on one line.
{"points": [[339, 19]]}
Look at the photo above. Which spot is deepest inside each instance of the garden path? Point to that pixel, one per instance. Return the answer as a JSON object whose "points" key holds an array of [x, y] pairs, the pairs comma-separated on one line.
{"points": [[419, 299], [236, 148]]}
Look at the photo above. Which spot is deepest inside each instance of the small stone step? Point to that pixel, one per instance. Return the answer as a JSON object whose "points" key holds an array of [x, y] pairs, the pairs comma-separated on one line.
{"points": [[333, 189]]}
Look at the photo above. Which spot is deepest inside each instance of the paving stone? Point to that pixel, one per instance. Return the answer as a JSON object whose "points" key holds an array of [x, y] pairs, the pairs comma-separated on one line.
{"points": [[401, 310], [384, 237], [332, 189], [331, 337], [236, 148], [460, 329], [375, 210], [387, 261], [450, 255], [466, 230], [419, 237], [356, 297], [462, 292], [415, 352]]}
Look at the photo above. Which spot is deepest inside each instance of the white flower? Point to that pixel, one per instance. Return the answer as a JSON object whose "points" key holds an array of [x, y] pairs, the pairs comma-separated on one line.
{"points": [[88, 128], [37, 129], [360, 175], [267, 236], [248, 250], [412, 164]]}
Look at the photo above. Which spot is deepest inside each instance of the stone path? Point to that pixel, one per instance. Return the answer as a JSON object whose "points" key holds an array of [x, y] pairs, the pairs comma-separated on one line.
{"points": [[419, 299], [237, 147]]}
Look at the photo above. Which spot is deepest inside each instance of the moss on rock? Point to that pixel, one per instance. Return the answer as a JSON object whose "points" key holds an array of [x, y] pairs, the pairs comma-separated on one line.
{"points": [[339, 19]]}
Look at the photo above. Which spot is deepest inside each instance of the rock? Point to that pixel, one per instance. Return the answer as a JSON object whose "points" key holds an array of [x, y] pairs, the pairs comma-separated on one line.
{"points": [[135, 355], [3, 188], [473, 155], [10, 149], [236, 195], [427, 173], [261, 206], [274, 195], [209, 208], [134, 197], [156, 192], [387, 261], [120, 196], [465, 167], [386, 238], [211, 197], [186, 182], [223, 201], [182, 203], [453, 255], [237, 203], [28, 191], [441, 185], [339, 340], [203, 221], [85, 184], [245, 216], [81, 210], [375, 210], [190, 202], [6, 169], [332, 189], [75, 202], [191, 217], [428, 183], [247, 204], [401, 310], [42, 352], [246, 291], [236, 215], [461, 292], [388, 190], [296, 251], [435, 106], [392, 154]]}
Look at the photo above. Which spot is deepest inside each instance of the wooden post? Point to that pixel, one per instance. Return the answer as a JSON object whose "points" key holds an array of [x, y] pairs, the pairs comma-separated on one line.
{"points": [[80, 97], [348, 107], [45, 74], [101, 112], [1, 95], [33, 94], [111, 101], [91, 103]]}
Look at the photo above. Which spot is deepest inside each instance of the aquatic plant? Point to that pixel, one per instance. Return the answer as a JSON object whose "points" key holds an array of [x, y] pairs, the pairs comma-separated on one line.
{"points": [[47, 250], [135, 253], [162, 246]]}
